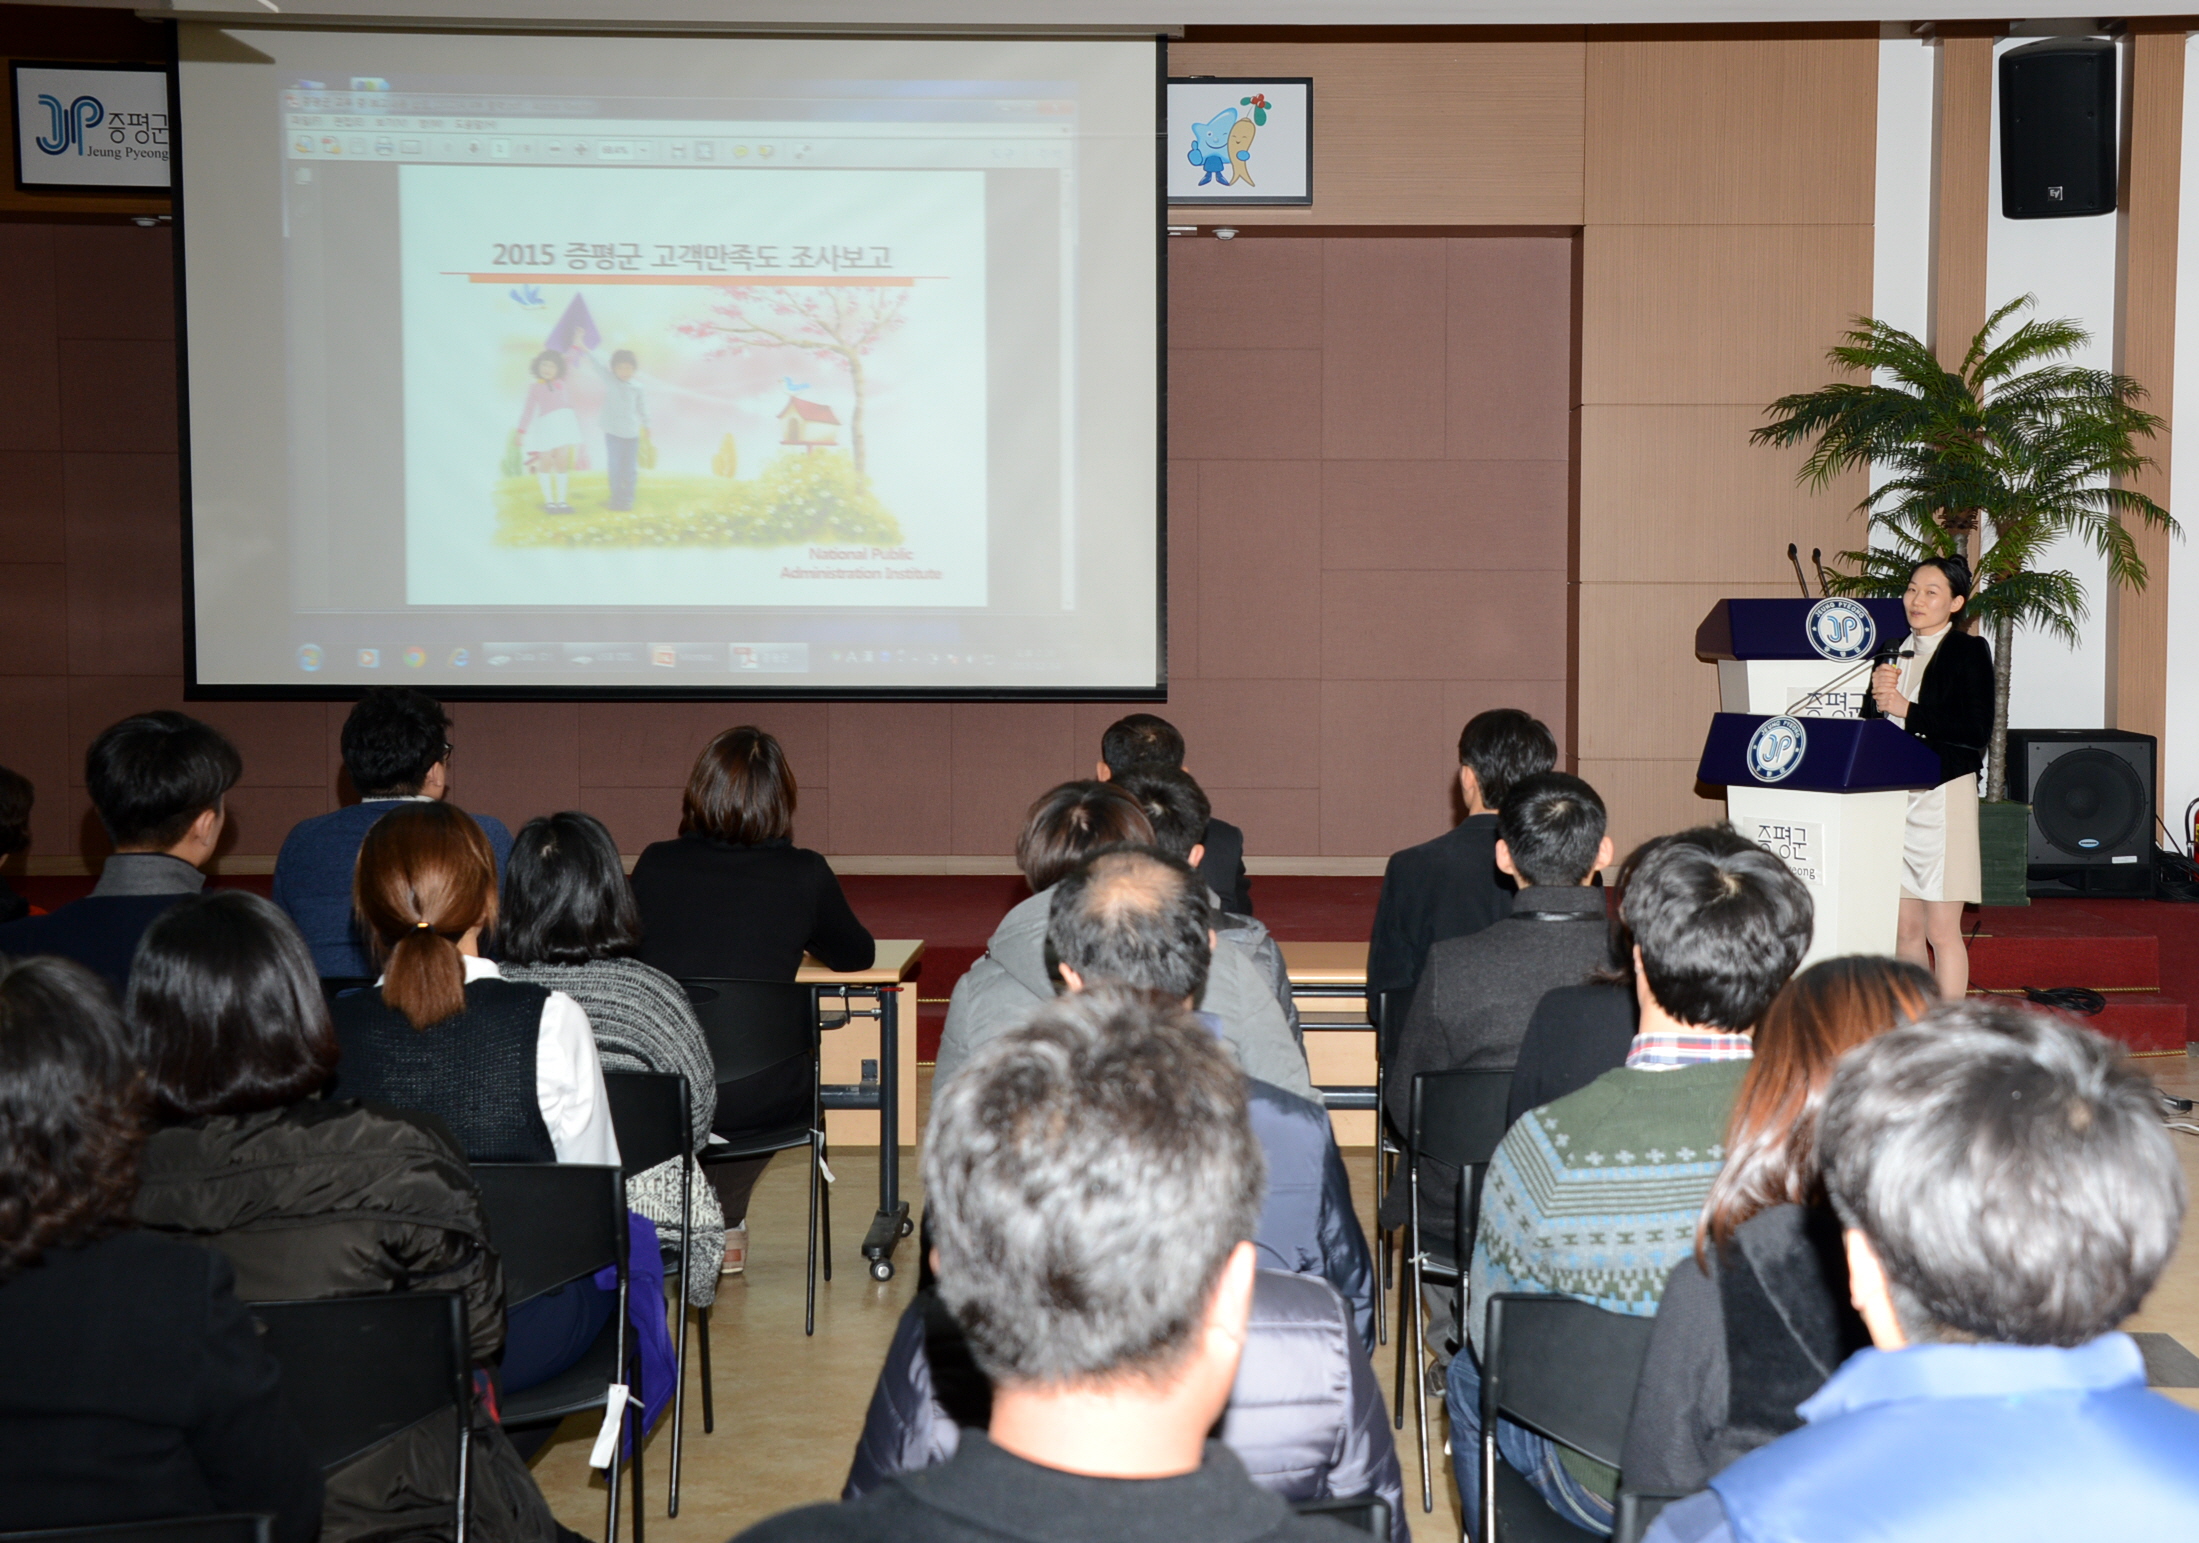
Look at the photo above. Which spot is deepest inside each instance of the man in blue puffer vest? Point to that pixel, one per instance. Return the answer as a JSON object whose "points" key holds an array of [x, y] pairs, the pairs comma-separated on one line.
{"points": [[2009, 1196]]}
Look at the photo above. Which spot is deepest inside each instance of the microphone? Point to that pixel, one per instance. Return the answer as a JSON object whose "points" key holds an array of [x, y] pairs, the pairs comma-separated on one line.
{"points": [[1794, 556]]}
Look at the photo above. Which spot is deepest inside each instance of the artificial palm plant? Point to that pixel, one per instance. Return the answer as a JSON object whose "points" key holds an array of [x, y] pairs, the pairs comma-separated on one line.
{"points": [[2015, 449]]}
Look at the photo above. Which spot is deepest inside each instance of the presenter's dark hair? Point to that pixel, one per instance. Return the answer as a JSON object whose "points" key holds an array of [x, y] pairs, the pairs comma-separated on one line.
{"points": [[1503, 745], [392, 739], [1133, 916], [741, 791], [226, 1009], [1089, 1176], [566, 899], [534, 370], [72, 1111], [1771, 1137], [150, 776], [426, 877], [1174, 804], [1719, 840], [1553, 824], [16, 797], [2010, 1170], [1142, 739], [1719, 935], [1077, 818]]}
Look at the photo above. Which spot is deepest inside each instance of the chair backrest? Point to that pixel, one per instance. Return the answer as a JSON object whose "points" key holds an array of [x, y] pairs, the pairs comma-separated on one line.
{"points": [[1366, 1513], [357, 1370], [649, 1115], [552, 1222], [754, 1025], [1565, 1369], [1457, 1117], [1389, 1008], [181, 1529]]}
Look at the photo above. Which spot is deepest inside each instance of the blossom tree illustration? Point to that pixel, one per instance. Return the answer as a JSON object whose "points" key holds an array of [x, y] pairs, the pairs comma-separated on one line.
{"points": [[835, 323]]}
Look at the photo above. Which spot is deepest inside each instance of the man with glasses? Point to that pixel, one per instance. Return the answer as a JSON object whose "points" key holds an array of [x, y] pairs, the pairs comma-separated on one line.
{"points": [[396, 747]]}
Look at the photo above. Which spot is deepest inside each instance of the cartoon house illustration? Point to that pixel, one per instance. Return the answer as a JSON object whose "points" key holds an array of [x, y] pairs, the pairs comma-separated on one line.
{"points": [[812, 425]]}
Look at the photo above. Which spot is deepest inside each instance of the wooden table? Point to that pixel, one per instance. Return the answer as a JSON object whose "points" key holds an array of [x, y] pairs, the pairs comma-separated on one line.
{"points": [[1329, 983], [857, 1108]]}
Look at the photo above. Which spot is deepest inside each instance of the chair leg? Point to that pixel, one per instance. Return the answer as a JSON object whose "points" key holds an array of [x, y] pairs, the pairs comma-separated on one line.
{"points": [[824, 1207], [610, 1515], [679, 1378], [702, 1344], [1420, 1392], [634, 1412], [816, 1184], [1381, 1281], [1404, 1341]]}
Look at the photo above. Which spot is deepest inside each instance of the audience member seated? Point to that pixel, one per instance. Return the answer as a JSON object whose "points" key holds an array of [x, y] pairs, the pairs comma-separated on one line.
{"points": [[1756, 1321], [133, 1385], [1634, 1153], [1177, 809], [509, 1069], [735, 899], [16, 797], [1094, 1185], [1451, 886], [397, 750], [1477, 992], [1580, 1032], [568, 922], [157, 781], [2008, 1196], [306, 1197], [1013, 977], [1143, 741]]}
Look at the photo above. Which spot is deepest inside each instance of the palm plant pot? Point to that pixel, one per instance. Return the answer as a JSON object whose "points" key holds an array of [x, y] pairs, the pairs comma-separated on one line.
{"points": [[2004, 838]]}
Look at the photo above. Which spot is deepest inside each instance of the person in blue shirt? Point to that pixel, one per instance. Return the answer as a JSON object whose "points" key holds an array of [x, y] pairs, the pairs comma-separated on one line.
{"points": [[396, 747], [2008, 1195]]}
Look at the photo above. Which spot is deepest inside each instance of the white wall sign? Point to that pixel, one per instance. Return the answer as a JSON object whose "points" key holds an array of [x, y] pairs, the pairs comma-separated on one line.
{"points": [[90, 128]]}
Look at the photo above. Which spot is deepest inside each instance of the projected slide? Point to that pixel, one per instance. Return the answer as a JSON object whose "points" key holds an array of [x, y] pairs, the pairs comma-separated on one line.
{"points": [[757, 390], [600, 365]]}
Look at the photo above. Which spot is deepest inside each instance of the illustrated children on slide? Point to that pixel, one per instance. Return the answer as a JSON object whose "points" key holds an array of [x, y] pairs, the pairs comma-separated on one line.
{"points": [[625, 419], [549, 431]]}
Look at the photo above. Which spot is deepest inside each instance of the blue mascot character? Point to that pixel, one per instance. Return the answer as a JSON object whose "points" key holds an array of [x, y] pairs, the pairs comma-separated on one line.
{"points": [[1210, 146]]}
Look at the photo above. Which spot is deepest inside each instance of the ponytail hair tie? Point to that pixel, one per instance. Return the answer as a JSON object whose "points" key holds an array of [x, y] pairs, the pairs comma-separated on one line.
{"points": [[422, 927]]}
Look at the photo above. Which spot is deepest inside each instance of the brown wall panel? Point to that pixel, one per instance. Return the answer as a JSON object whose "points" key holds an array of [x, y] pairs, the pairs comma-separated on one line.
{"points": [[1448, 133], [1644, 694], [1716, 313], [1650, 798], [1735, 131]]}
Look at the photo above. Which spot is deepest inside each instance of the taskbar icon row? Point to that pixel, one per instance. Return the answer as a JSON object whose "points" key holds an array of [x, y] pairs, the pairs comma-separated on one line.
{"points": [[565, 658]]}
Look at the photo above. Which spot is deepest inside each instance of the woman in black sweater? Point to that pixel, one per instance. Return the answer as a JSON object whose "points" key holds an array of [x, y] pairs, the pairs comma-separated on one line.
{"points": [[133, 1385], [735, 899]]}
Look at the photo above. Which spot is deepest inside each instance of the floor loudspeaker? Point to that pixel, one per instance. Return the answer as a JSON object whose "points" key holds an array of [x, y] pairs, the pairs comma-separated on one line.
{"points": [[2091, 798], [2057, 129]]}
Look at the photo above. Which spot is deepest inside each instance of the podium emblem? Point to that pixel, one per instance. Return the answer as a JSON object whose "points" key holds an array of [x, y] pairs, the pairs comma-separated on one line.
{"points": [[1777, 748], [1841, 629]]}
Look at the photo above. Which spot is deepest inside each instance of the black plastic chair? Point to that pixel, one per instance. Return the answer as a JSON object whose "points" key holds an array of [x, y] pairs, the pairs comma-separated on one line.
{"points": [[1366, 1513], [649, 1114], [1566, 1370], [1637, 1509], [760, 1033], [1455, 1118], [357, 1370], [253, 1528], [552, 1223], [1388, 1010]]}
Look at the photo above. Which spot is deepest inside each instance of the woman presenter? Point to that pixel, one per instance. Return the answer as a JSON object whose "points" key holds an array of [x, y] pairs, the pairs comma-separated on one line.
{"points": [[1940, 690]]}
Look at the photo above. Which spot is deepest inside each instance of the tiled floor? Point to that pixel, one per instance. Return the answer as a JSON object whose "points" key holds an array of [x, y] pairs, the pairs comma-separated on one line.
{"points": [[789, 1408]]}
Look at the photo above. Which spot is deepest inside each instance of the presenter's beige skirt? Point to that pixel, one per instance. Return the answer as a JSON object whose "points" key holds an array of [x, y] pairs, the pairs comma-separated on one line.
{"points": [[1939, 844]]}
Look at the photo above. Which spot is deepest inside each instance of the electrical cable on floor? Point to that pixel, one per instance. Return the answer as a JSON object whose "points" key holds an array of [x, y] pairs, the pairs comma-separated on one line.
{"points": [[2080, 1000]]}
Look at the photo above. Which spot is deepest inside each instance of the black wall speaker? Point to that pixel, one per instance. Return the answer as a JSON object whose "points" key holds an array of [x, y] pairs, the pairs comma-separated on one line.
{"points": [[2057, 129], [2091, 798]]}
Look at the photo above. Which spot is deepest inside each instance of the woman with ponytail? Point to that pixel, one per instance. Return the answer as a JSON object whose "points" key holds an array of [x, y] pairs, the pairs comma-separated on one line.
{"points": [[509, 1068]]}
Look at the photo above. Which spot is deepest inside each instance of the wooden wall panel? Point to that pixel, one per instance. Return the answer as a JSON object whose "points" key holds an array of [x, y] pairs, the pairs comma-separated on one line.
{"points": [[1446, 133], [1716, 313], [1689, 497], [1650, 798], [1736, 131], [1652, 696], [1961, 194]]}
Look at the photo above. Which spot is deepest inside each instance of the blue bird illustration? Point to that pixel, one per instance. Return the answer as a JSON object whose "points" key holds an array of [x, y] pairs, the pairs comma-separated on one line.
{"points": [[528, 298], [792, 385]]}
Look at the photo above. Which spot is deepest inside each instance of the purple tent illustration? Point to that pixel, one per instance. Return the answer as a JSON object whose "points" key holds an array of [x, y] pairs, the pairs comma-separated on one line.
{"points": [[576, 326]]}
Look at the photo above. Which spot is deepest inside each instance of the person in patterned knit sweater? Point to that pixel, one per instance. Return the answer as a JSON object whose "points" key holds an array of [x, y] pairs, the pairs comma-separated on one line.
{"points": [[1595, 1196]]}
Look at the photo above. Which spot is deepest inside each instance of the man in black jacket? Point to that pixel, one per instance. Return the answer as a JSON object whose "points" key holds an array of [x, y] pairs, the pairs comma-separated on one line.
{"points": [[1094, 1185], [1144, 740], [1451, 886]]}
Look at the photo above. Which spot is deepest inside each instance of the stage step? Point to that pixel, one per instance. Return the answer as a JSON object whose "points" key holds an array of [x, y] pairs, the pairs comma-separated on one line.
{"points": [[2145, 1022], [2060, 944]]}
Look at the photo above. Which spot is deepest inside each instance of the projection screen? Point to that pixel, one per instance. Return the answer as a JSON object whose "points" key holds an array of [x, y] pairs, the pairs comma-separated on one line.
{"points": [[580, 365]]}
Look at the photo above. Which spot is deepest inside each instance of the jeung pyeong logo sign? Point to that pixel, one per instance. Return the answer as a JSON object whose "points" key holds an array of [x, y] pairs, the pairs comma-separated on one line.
{"points": [[91, 128]]}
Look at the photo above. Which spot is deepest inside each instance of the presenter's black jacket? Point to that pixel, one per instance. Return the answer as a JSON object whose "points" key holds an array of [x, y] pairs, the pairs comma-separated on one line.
{"points": [[134, 1387], [1222, 865], [1445, 888], [1953, 710], [716, 910]]}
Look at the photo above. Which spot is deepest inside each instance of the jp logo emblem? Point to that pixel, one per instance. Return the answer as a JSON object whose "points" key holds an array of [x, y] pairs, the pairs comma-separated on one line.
{"points": [[1841, 629], [1776, 749]]}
